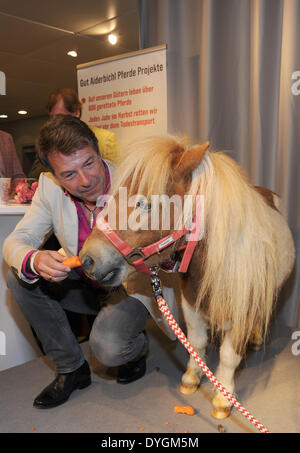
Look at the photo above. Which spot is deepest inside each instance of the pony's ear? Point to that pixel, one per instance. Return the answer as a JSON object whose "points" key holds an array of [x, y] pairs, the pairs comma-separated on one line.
{"points": [[187, 162]]}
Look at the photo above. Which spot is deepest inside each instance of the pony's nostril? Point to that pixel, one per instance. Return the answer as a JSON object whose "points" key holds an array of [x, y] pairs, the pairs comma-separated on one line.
{"points": [[88, 262]]}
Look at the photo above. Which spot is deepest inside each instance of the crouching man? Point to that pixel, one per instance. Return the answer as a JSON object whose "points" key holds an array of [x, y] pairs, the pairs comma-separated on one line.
{"points": [[67, 202]]}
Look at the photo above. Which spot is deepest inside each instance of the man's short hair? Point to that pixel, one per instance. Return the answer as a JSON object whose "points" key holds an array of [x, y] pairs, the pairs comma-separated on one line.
{"points": [[65, 134], [70, 98]]}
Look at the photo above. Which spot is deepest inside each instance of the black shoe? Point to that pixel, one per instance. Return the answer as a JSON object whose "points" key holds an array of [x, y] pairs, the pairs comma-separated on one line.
{"points": [[132, 371], [63, 385]]}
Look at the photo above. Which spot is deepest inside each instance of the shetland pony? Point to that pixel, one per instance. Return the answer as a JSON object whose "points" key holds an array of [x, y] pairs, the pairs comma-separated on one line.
{"points": [[243, 258]]}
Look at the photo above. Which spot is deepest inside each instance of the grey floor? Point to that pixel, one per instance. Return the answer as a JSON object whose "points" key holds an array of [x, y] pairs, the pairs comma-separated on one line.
{"points": [[267, 384]]}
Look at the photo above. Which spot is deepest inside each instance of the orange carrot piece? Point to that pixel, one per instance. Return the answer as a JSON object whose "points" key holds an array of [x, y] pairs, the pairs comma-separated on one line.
{"points": [[188, 410], [74, 261]]}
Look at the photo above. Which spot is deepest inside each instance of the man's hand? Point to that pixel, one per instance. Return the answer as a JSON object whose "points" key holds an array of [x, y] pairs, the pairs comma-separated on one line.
{"points": [[48, 264]]}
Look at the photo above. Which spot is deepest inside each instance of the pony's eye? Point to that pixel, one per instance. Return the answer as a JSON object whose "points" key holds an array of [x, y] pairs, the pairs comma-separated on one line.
{"points": [[143, 205]]}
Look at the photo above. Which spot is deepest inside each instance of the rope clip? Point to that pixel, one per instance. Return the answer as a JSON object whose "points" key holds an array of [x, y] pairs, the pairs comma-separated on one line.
{"points": [[155, 282]]}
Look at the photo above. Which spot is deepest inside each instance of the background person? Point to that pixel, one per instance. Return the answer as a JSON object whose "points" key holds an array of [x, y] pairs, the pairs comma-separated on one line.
{"points": [[10, 166], [65, 101]]}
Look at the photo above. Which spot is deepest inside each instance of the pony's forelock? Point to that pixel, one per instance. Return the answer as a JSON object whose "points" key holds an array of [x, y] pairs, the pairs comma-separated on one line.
{"points": [[144, 166]]}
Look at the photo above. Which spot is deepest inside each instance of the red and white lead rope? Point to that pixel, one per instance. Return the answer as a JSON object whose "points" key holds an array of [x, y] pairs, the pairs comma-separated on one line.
{"points": [[180, 335]]}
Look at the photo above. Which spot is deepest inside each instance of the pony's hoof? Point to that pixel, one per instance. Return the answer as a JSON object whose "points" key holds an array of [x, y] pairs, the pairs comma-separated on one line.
{"points": [[188, 389], [189, 382], [220, 409], [220, 412]]}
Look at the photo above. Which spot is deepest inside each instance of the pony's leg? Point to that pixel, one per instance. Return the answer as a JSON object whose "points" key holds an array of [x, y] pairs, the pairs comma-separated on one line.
{"points": [[229, 360], [197, 337]]}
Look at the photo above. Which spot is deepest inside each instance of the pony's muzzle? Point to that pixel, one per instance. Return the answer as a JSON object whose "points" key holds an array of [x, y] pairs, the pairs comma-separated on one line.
{"points": [[90, 268], [107, 271], [88, 264]]}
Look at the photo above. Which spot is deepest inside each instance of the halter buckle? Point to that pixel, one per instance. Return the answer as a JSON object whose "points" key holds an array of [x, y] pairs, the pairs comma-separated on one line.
{"points": [[134, 256]]}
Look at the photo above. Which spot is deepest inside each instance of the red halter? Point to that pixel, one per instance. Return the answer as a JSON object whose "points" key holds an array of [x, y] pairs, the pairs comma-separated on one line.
{"points": [[136, 257]]}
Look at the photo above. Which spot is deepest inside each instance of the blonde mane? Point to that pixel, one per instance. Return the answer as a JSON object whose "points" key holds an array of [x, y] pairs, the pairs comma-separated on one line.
{"points": [[239, 275], [240, 271]]}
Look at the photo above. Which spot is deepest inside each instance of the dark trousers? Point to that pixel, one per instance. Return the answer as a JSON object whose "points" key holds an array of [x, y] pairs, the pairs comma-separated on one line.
{"points": [[117, 333]]}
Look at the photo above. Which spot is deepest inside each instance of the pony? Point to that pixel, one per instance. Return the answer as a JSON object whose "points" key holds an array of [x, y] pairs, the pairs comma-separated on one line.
{"points": [[240, 262]]}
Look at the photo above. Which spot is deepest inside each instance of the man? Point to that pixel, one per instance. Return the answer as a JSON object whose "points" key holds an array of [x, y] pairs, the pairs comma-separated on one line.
{"points": [[65, 101], [67, 201]]}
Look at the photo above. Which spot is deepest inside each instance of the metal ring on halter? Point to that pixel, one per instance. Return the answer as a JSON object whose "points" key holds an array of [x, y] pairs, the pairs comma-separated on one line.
{"points": [[134, 255]]}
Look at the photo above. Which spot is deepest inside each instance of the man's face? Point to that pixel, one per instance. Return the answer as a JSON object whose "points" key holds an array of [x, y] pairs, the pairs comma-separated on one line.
{"points": [[82, 173], [60, 109]]}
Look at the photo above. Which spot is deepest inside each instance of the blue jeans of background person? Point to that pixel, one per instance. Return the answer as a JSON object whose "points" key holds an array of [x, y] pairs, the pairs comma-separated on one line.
{"points": [[117, 333]]}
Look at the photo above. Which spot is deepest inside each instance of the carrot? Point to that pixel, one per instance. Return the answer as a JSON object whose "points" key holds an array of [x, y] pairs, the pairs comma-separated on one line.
{"points": [[188, 410], [74, 261]]}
